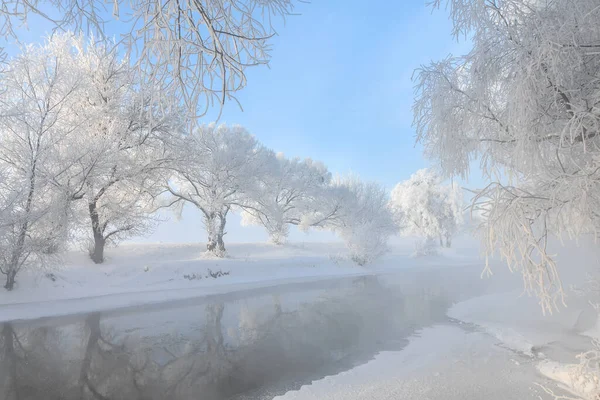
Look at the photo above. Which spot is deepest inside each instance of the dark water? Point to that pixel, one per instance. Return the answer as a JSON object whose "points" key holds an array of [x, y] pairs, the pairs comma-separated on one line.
{"points": [[252, 345]]}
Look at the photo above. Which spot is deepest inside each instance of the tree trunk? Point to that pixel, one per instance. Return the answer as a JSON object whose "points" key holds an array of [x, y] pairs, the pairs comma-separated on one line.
{"points": [[13, 266], [221, 232], [210, 222], [97, 253], [15, 259], [277, 239], [278, 233], [215, 225], [216, 244], [10, 279], [448, 241]]}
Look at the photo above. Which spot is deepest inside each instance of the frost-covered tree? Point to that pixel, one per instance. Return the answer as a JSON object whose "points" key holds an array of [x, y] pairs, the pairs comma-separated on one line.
{"points": [[122, 144], [361, 219], [201, 48], [38, 116], [215, 168], [423, 206], [524, 101], [286, 191]]}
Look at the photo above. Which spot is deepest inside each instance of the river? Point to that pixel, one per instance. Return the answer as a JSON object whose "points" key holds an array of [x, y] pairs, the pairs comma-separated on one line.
{"points": [[244, 345]]}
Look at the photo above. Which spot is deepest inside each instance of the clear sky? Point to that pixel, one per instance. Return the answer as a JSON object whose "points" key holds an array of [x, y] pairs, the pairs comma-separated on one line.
{"points": [[339, 90], [339, 86]]}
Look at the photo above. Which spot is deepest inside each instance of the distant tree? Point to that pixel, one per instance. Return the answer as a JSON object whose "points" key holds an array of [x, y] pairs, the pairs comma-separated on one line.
{"points": [[423, 206], [215, 168], [38, 115], [201, 49], [525, 101], [288, 190], [362, 218]]}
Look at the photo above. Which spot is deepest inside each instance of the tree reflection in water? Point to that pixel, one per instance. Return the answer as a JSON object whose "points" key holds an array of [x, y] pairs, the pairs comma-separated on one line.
{"points": [[216, 350]]}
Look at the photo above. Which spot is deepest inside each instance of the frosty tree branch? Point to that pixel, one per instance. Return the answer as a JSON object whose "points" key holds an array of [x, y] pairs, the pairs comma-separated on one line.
{"points": [[524, 101], [201, 48]]}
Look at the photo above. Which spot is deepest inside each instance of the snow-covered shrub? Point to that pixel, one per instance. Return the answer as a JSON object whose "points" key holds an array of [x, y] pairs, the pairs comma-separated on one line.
{"points": [[582, 379], [362, 218], [366, 242], [423, 206], [425, 247]]}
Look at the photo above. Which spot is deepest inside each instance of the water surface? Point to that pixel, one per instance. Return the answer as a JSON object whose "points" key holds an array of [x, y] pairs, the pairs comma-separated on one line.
{"points": [[249, 345]]}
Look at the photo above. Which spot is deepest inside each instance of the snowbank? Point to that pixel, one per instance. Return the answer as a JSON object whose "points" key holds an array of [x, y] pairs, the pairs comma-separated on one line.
{"points": [[148, 273], [441, 362], [577, 379], [574, 378], [136, 274], [556, 340], [516, 320]]}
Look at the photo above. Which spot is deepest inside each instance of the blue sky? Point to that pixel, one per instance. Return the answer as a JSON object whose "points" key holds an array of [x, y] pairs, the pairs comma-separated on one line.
{"points": [[339, 85], [338, 90]]}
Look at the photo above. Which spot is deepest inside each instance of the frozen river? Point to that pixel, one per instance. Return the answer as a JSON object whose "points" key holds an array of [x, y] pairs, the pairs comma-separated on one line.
{"points": [[384, 336]]}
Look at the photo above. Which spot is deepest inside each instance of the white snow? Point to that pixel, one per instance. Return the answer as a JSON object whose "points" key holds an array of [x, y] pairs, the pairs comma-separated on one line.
{"points": [[573, 378], [554, 342], [136, 274], [491, 355], [149, 273], [441, 362], [517, 320]]}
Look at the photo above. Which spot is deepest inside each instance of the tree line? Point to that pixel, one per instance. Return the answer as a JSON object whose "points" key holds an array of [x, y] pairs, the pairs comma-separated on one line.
{"points": [[91, 147], [523, 100]]}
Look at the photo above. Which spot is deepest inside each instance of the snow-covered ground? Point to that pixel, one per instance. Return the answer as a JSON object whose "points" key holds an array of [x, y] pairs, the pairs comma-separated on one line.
{"points": [[517, 320], [553, 342], [495, 347], [135, 274], [498, 346], [440, 362]]}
